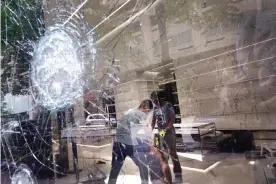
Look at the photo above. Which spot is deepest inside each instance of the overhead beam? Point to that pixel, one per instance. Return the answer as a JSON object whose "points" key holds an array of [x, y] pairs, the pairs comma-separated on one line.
{"points": [[109, 36]]}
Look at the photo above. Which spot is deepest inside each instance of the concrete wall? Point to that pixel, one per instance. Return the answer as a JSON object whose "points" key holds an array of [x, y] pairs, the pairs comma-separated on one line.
{"points": [[233, 86], [130, 94]]}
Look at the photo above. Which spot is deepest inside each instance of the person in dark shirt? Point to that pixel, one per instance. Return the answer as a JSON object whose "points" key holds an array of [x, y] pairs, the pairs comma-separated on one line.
{"points": [[164, 117]]}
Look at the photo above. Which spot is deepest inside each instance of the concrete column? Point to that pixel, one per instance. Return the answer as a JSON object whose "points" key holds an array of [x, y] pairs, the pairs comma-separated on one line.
{"points": [[259, 4], [146, 29], [160, 15]]}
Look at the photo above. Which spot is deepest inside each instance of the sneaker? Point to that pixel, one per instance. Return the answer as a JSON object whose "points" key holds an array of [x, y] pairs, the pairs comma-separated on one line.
{"points": [[178, 180]]}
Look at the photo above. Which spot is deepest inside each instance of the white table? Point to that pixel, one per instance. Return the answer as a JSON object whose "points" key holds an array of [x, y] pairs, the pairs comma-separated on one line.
{"points": [[201, 129], [270, 148]]}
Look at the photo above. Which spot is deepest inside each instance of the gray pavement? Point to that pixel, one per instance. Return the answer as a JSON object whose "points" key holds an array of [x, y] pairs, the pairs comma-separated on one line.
{"points": [[214, 168]]}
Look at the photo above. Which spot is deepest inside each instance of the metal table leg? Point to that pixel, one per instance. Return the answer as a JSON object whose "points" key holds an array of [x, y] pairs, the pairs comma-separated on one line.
{"points": [[201, 149], [75, 158]]}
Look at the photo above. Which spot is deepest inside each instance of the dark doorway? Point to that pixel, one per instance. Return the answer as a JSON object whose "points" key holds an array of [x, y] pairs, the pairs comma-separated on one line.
{"points": [[109, 105], [170, 91]]}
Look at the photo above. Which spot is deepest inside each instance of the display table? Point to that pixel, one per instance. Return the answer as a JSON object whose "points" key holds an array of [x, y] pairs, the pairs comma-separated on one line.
{"points": [[86, 131], [271, 148], [94, 132], [199, 130]]}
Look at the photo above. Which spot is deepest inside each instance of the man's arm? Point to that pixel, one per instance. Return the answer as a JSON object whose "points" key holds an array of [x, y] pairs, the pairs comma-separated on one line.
{"points": [[153, 122], [172, 118]]}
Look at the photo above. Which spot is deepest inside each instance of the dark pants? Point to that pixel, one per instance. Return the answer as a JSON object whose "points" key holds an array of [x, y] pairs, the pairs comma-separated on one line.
{"points": [[140, 159], [170, 139], [119, 153]]}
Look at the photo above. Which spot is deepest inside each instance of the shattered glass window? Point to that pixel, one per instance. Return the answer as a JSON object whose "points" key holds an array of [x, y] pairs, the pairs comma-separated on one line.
{"points": [[86, 86]]}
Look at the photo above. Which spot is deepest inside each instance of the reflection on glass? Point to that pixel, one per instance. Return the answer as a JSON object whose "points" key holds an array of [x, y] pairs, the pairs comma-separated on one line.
{"points": [[72, 70]]}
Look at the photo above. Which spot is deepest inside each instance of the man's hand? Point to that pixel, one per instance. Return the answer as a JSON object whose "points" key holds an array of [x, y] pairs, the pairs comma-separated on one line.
{"points": [[162, 132]]}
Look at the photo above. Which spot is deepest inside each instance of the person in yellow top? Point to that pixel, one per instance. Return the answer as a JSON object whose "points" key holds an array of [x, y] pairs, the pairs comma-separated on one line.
{"points": [[164, 117]]}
